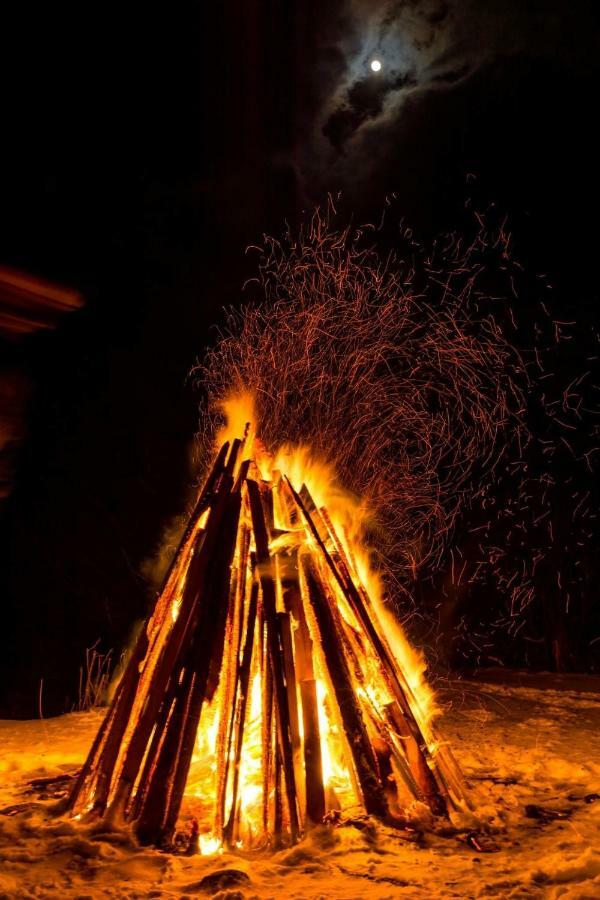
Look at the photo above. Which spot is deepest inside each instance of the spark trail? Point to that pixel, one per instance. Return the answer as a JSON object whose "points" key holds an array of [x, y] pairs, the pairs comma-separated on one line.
{"points": [[411, 372]]}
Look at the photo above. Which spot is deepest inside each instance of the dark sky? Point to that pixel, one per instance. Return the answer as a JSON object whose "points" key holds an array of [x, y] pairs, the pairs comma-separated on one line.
{"points": [[143, 148]]}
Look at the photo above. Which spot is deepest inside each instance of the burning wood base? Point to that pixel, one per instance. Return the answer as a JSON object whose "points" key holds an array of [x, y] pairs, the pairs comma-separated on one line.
{"points": [[263, 695]]}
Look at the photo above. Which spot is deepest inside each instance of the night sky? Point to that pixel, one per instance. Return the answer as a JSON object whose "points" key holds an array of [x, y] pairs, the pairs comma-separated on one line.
{"points": [[142, 150]]}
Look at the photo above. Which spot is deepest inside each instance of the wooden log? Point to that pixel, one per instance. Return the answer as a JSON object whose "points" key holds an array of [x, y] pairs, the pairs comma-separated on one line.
{"points": [[288, 504], [242, 475], [233, 456], [268, 763], [81, 790], [101, 760], [285, 637], [231, 672], [448, 774], [176, 687], [204, 500], [229, 831], [102, 767], [227, 687], [423, 773], [185, 733], [266, 496], [269, 605], [287, 652], [381, 727], [204, 659], [154, 801], [313, 763], [383, 754], [354, 726], [277, 798], [173, 653], [186, 547], [238, 609], [416, 763], [177, 650]]}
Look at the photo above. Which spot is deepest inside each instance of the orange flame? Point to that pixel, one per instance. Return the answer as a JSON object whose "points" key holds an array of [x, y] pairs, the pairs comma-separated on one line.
{"points": [[348, 517], [238, 411], [271, 687]]}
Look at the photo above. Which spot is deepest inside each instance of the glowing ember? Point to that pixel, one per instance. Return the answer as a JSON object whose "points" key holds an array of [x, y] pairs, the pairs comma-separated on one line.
{"points": [[395, 360], [391, 373]]}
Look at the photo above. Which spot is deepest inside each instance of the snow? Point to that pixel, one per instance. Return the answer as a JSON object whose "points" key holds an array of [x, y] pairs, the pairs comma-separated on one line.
{"points": [[526, 745]]}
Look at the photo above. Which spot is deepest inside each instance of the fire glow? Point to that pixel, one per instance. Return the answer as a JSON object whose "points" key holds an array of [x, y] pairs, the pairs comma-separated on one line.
{"points": [[270, 691]]}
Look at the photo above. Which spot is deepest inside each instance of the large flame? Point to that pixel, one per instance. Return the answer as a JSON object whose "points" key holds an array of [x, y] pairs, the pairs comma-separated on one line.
{"points": [[271, 689], [348, 517], [238, 412]]}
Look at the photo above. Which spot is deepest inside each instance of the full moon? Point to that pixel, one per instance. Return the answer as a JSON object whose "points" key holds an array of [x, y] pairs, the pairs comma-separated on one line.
{"points": [[375, 65]]}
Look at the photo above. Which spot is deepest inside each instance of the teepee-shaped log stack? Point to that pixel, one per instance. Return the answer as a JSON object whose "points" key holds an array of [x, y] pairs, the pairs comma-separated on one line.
{"points": [[262, 696]]}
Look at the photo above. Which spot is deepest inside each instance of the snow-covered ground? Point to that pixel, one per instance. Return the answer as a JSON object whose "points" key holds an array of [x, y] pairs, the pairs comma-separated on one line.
{"points": [[530, 750]]}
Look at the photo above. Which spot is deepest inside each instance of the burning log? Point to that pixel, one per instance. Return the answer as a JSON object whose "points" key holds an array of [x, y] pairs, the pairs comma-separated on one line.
{"points": [[262, 694], [275, 651], [229, 831], [356, 734], [159, 814], [314, 791], [416, 747], [105, 749], [230, 699]]}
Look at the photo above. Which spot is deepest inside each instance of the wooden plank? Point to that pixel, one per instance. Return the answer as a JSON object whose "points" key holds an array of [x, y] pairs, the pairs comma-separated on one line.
{"points": [[176, 647], [151, 810], [227, 688], [314, 804], [176, 686], [313, 762], [277, 798], [285, 638], [229, 831], [268, 763], [202, 654], [238, 610], [269, 605], [97, 772], [423, 772], [354, 727], [208, 649]]}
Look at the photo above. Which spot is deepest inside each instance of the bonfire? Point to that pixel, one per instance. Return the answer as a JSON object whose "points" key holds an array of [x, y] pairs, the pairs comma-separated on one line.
{"points": [[270, 691], [272, 696]]}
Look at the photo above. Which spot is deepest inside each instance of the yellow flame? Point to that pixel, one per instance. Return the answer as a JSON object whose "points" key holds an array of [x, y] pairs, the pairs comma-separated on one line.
{"points": [[343, 523], [336, 774], [209, 845], [350, 517], [251, 788], [238, 410], [411, 664]]}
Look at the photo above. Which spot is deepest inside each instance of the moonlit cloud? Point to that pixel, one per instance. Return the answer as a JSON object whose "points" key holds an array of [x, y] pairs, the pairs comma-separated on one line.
{"points": [[423, 46]]}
